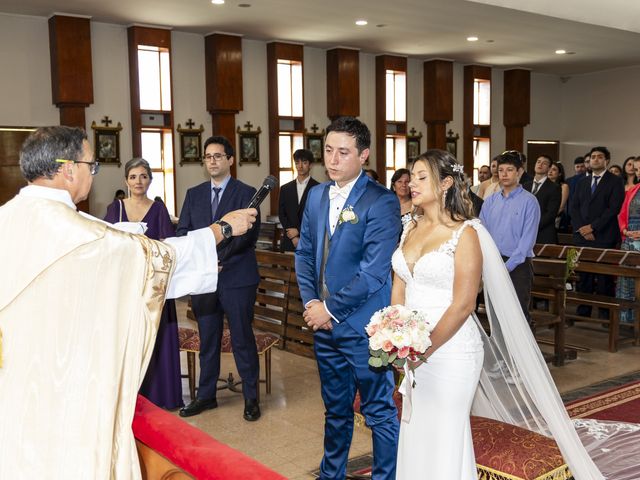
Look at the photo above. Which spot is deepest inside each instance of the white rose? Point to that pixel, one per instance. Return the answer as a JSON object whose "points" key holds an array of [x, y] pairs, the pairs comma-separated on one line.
{"points": [[375, 342], [348, 215]]}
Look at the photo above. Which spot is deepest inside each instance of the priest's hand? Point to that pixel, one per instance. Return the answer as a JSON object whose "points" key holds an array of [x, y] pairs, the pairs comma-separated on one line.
{"points": [[240, 222]]}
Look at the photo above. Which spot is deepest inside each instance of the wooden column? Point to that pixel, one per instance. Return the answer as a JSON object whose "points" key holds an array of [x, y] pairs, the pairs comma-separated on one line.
{"points": [[438, 101], [223, 71], [384, 63], [517, 107], [471, 72], [343, 83], [71, 71]]}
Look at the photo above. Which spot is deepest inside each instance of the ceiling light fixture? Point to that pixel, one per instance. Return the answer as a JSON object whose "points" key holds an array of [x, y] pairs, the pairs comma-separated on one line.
{"points": [[472, 39], [244, 5], [361, 23], [561, 52], [217, 2]]}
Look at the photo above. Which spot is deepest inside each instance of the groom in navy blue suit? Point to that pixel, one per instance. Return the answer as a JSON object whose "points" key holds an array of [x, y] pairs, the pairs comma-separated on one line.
{"points": [[237, 281], [349, 230]]}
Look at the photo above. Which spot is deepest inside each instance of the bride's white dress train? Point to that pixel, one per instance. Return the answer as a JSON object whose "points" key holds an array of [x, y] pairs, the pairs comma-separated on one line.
{"points": [[435, 434]]}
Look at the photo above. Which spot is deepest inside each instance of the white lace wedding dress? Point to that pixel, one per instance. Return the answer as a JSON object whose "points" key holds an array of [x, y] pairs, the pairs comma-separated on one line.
{"points": [[435, 434]]}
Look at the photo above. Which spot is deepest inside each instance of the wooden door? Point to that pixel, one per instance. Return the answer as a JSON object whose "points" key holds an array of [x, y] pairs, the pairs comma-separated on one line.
{"points": [[11, 180]]}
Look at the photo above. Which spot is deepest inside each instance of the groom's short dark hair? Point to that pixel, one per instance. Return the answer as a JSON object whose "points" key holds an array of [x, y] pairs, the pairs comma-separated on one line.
{"points": [[353, 127]]}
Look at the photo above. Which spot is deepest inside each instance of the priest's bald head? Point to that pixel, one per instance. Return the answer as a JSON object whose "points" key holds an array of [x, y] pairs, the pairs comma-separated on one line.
{"points": [[59, 157]]}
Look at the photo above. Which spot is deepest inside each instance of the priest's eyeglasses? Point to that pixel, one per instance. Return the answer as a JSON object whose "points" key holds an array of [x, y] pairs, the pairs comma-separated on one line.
{"points": [[94, 167]]}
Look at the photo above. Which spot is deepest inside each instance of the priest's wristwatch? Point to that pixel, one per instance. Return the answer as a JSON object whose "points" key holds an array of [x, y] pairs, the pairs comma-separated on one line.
{"points": [[225, 228]]}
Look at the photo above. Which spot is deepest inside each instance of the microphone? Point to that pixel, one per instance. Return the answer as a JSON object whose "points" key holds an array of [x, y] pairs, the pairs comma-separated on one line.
{"points": [[268, 184]]}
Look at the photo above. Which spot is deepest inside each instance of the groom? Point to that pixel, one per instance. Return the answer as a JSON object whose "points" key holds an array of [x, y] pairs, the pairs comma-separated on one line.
{"points": [[349, 230]]}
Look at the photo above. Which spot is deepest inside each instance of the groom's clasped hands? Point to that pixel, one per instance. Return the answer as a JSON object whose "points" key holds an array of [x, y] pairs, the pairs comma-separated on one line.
{"points": [[316, 316]]}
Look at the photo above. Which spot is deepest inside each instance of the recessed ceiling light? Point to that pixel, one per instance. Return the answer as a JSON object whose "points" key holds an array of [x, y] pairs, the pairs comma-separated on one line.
{"points": [[361, 23], [244, 5], [217, 2], [472, 39], [561, 52], [381, 25]]}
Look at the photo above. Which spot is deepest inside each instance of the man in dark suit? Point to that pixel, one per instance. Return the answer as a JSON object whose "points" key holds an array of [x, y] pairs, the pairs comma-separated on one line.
{"points": [[237, 281], [594, 218], [580, 172], [549, 196], [293, 196]]}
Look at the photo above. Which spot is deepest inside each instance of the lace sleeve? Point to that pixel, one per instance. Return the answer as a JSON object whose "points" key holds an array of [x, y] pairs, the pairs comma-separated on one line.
{"points": [[450, 246], [407, 228]]}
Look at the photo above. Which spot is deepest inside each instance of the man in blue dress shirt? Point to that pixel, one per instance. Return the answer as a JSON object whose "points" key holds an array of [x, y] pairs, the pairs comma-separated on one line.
{"points": [[512, 216]]}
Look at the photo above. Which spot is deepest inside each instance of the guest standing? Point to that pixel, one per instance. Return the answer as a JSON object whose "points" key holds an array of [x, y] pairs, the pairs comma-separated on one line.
{"points": [[594, 211], [162, 383], [293, 196], [492, 185], [400, 186], [556, 174], [549, 196], [237, 281], [511, 217], [629, 173], [629, 222]]}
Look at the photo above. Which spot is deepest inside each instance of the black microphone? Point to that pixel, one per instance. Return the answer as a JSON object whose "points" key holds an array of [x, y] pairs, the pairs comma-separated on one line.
{"points": [[268, 184]]}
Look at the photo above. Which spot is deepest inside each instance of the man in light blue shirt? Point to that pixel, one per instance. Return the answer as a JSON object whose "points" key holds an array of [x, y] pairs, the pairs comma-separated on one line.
{"points": [[512, 216]]}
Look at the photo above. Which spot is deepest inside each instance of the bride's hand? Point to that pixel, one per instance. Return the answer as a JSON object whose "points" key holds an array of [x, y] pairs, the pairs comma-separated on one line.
{"points": [[413, 364]]}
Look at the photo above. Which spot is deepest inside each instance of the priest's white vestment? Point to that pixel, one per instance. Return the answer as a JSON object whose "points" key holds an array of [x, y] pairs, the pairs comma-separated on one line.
{"points": [[80, 305]]}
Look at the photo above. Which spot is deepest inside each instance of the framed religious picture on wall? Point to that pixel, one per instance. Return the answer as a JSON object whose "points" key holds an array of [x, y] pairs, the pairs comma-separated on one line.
{"points": [[452, 143], [314, 142], [249, 145], [413, 145], [106, 142], [190, 143]]}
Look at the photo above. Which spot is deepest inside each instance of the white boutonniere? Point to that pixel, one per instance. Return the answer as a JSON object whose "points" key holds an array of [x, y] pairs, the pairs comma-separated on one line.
{"points": [[347, 215]]}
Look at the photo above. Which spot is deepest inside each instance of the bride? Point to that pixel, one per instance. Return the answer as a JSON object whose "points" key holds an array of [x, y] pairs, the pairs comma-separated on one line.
{"points": [[438, 268]]}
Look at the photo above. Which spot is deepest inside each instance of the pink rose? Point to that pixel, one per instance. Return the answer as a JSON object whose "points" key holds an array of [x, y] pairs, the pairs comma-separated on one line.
{"points": [[387, 346], [403, 352]]}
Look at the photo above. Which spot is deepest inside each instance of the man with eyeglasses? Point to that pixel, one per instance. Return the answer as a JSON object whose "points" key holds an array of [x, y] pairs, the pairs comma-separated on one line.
{"points": [[80, 305], [238, 281]]}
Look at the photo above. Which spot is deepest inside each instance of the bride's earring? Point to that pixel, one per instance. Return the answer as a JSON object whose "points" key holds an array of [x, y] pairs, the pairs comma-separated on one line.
{"points": [[444, 198]]}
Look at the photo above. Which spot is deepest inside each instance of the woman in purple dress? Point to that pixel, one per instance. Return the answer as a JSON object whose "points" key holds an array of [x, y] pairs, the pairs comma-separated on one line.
{"points": [[162, 383]]}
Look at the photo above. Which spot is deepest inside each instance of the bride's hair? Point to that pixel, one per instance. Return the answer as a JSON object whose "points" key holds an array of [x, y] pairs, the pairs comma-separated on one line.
{"points": [[457, 203]]}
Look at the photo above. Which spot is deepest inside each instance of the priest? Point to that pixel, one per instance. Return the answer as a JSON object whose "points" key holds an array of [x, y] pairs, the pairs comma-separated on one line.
{"points": [[80, 305]]}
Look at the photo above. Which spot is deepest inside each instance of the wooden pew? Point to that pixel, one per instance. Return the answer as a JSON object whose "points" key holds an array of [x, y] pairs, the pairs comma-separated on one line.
{"points": [[298, 337], [548, 304], [607, 262]]}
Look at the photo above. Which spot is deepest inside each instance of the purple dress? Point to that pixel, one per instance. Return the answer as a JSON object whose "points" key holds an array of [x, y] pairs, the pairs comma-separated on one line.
{"points": [[162, 383]]}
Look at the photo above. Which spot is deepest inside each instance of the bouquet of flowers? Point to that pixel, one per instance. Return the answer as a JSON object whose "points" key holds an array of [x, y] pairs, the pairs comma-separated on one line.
{"points": [[397, 333]]}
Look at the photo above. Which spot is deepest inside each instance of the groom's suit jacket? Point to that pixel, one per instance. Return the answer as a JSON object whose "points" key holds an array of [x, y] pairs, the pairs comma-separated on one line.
{"points": [[358, 265]]}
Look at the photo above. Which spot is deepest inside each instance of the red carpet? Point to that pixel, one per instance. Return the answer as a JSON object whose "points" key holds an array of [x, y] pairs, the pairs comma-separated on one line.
{"points": [[619, 403]]}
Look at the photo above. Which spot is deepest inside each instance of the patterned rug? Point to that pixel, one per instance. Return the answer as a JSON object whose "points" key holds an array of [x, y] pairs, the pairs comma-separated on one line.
{"points": [[620, 403], [614, 399]]}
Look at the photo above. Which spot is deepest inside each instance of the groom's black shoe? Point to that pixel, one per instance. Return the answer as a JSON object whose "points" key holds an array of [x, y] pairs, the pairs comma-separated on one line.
{"points": [[198, 406], [251, 410]]}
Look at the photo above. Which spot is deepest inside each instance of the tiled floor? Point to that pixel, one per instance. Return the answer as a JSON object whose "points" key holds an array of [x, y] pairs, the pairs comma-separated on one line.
{"points": [[288, 437]]}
